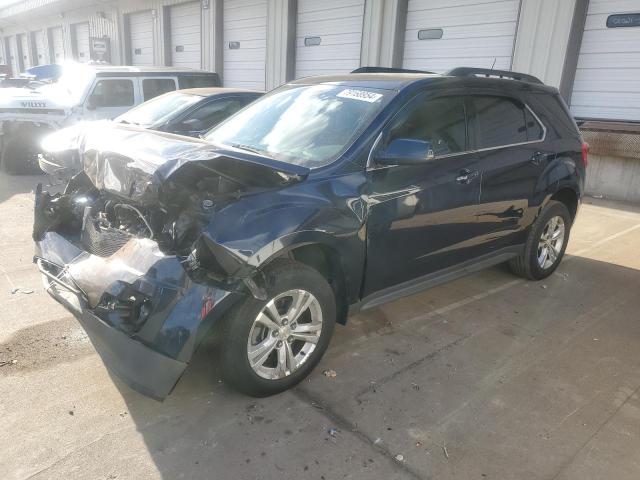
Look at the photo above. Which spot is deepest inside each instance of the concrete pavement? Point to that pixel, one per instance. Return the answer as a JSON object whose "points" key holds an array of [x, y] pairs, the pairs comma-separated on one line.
{"points": [[486, 377]]}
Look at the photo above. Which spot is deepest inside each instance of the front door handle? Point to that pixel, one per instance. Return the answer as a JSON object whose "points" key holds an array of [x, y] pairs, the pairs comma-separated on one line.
{"points": [[466, 176], [537, 158]]}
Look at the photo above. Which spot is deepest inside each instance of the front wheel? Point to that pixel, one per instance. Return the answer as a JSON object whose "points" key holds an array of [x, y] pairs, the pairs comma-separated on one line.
{"points": [[546, 243], [269, 346]]}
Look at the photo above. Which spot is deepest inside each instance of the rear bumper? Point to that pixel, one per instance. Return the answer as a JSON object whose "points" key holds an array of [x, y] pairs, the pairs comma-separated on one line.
{"points": [[148, 342]]}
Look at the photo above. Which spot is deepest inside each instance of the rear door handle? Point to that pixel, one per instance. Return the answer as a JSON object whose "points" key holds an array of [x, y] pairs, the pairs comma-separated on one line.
{"points": [[466, 176]]}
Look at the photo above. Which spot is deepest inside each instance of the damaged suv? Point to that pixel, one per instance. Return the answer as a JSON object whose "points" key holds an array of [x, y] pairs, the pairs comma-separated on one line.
{"points": [[326, 196]]}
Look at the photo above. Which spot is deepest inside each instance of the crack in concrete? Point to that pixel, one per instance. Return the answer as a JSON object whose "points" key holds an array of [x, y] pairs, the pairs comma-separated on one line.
{"points": [[344, 424]]}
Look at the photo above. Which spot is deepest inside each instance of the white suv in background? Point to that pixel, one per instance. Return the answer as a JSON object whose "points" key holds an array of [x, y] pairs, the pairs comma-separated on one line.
{"points": [[83, 92]]}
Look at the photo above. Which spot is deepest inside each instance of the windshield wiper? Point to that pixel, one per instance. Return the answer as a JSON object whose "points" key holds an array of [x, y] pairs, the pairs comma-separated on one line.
{"points": [[249, 148]]}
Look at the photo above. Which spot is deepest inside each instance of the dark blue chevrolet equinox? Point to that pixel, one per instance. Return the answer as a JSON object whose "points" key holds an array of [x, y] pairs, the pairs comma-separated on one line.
{"points": [[326, 196]]}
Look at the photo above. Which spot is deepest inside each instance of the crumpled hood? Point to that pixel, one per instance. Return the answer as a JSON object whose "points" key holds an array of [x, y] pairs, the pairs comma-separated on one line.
{"points": [[134, 163], [33, 101]]}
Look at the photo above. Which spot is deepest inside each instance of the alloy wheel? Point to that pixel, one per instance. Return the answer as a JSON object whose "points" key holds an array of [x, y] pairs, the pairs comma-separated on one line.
{"points": [[284, 334], [551, 242]]}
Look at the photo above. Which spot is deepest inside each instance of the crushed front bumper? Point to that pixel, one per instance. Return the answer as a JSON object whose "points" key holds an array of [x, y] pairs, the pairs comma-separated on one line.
{"points": [[142, 312]]}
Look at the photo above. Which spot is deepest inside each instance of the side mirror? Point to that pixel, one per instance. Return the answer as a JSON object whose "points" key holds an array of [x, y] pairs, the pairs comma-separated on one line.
{"points": [[192, 125], [406, 151]]}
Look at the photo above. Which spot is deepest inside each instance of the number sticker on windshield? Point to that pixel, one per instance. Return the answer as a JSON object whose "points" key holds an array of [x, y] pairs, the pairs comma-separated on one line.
{"points": [[362, 95]]}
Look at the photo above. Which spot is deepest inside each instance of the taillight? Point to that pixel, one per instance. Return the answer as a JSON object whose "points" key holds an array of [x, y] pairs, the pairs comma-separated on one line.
{"points": [[585, 154]]}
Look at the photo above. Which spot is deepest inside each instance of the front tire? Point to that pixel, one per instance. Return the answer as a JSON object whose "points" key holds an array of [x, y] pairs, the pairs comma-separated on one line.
{"points": [[269, 346], [546, 243]]}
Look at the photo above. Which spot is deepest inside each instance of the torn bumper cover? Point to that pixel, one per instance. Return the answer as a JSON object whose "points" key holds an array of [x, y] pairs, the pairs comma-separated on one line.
{"points": [[143, 314]]}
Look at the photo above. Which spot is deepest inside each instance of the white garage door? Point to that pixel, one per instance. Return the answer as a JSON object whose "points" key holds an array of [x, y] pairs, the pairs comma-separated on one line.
{"points": [[328, 36], [245, 43], [13, 56], [24, 51], [444, 34], [38, 42], [141, 38], [607, 82], [81, 39], [184, 22], [57, 45]]}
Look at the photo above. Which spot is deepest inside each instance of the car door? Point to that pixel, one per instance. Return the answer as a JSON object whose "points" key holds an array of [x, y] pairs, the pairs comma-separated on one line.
{"points": [[110, 97], [509, 139], [422, 217], [207, 115]]}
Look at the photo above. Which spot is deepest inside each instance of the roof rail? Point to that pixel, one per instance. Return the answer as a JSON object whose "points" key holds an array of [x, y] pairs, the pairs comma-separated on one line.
{"points": [[487, 72], [386, 70]]}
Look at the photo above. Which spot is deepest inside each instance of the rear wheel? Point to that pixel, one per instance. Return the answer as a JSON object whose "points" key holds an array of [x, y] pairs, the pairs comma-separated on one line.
{"points": [[546, 243], [270, 345], [19, 154]]}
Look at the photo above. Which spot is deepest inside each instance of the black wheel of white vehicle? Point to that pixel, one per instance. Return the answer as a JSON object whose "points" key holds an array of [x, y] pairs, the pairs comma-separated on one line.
{"points": [[19, 155], [271, 345], [546, 243]]}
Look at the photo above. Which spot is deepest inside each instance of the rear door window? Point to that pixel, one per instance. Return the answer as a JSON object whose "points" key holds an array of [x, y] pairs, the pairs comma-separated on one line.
{"points": [[215, 111], [152, 87], [497, 121]]}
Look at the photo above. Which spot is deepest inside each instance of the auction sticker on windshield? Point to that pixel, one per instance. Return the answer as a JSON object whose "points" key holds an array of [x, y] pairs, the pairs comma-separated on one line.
{"points": [[362, 95]]}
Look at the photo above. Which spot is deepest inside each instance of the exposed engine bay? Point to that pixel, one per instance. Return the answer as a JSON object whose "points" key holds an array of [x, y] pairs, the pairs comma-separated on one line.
{"points": [[163, 188]]}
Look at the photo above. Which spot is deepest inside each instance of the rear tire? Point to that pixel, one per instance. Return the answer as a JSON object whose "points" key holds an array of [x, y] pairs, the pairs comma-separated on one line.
{"points": [[269, 345], [19, 155], [546, 243]]}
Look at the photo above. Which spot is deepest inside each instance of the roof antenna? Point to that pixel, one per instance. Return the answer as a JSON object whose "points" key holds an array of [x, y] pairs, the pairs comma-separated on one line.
{"points": [[494, 62]]}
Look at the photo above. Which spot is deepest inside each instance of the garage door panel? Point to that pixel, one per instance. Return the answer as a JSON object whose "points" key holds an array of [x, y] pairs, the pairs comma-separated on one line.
{"points": [[141, 38], [611, 113], [245, 26], [467, 31], [589, 99], [486, 14], [606, 84], [255, 34], [330, 40], [81, 39], [38, 42], [345, 14], [330, 52], [609, 7], [57, 44], [447, 63], [473, 34], [339, 26]]}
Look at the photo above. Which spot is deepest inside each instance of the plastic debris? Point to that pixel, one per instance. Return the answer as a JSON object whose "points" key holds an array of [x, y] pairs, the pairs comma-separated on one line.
{"points": [[330, 373], [543, 286], [399, 458], [25, 291], [415, 386], [333, 431]]}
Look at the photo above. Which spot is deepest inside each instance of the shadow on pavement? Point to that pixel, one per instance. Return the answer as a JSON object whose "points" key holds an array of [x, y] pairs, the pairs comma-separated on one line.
{"points": [[494, 379], [11, 185]]}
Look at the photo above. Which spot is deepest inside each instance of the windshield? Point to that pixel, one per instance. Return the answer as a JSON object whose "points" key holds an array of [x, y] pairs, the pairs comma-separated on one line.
{"points": [[160, 109], [73, 82], [307, 125]]}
